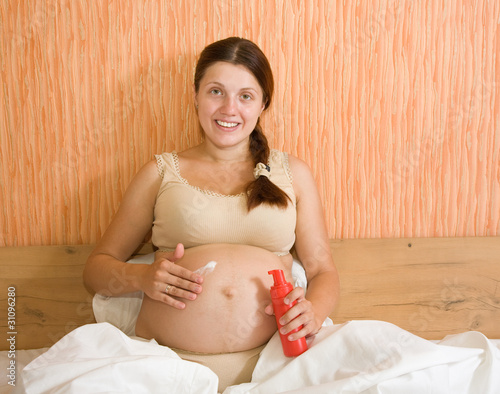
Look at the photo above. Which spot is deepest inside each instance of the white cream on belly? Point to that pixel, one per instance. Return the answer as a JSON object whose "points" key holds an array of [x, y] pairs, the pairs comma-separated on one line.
{"points": [[207, 269]]}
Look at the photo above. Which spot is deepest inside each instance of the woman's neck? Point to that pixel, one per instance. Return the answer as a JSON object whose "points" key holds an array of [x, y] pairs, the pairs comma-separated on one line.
{"points": [[224, 155]]}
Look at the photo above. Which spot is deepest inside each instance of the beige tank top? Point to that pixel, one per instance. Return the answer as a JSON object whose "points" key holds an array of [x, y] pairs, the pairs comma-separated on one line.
{"points": [[189, 215]]}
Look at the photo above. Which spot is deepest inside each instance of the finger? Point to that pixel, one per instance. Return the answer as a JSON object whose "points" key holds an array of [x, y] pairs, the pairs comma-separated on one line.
{"points": [[171, 256], [184, 277], [178, 252], [177, 292], [175, 286], [298, 309], [304, 332], [168, 272], [269, 310], [300, 327], [294, 323], [295, 295], [171, 301]]}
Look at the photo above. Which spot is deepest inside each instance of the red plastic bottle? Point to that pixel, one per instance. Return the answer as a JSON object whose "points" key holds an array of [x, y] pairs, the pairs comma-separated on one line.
{"points": [[279, 291]]}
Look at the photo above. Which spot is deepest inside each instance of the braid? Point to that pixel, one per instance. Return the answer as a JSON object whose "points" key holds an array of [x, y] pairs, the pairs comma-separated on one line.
{"points": [[262, 190], [259, 148]]}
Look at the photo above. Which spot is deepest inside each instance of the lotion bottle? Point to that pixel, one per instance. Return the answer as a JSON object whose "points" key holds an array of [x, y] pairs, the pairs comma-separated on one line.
{"points": [[279, 291]]}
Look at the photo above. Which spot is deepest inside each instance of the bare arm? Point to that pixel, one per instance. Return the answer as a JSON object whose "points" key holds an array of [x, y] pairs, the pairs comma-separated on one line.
{"points": [[106, 272], [313, 250]]}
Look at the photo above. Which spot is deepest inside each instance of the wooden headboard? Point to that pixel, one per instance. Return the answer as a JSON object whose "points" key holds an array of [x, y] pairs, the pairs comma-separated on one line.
{"points": [[429, 286]]}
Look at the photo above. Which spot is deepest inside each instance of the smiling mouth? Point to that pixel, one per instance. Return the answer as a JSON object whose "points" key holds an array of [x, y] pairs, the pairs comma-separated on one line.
{"points": [[226, 124]]}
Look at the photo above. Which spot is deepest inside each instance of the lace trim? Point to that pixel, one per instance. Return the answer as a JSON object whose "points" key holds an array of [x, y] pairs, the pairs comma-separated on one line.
{"points": [[275, 156], [286, 165], [281, 157], [279, 254], [160, 164], [177, 170]]}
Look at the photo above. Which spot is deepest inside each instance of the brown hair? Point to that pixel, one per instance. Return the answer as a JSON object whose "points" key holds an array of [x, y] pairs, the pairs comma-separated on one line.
{"points": [[240, 51]]}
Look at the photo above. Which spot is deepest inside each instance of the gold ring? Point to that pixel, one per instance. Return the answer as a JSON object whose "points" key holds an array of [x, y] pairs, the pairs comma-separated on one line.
{"points": [[167, 288]]}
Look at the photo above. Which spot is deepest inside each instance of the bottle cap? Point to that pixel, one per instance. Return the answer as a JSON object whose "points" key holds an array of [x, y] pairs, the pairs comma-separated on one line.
{"points": [[279, 277], [281, 287]]}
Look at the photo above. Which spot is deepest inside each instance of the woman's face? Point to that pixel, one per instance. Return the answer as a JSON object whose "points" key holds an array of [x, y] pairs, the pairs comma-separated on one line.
{"points": [[230, 101]]}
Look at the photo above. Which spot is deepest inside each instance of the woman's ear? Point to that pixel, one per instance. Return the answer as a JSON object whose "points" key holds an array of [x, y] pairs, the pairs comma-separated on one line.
{"points": [[264, 103]]}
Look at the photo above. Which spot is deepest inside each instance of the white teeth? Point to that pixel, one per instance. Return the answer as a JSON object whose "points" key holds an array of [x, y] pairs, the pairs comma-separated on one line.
{"points": [[225, 124]]}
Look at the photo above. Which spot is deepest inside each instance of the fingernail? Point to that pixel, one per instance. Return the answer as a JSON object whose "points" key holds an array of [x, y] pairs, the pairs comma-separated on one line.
{"points": [[286, 301], [283, 331]]}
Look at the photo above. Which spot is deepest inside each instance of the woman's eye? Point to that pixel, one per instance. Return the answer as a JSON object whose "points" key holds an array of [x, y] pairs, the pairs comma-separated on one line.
{"points": [[215, 91], [246, 97]]}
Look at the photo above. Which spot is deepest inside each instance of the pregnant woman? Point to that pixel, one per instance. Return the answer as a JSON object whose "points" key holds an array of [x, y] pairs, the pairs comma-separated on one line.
{"points": [[232, 206]]}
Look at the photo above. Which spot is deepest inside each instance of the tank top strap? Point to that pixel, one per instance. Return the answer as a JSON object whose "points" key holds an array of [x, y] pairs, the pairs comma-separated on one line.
{"points": [[160, 165], [168, 165], [278, 161]]}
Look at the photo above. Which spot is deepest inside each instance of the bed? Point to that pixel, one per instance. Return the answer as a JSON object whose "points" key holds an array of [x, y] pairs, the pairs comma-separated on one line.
{"points": [[421, 312]]}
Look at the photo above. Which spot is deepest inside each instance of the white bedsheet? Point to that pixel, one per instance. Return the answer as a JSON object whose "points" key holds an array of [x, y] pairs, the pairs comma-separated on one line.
{"points": [[355, 357], [22, 358]]}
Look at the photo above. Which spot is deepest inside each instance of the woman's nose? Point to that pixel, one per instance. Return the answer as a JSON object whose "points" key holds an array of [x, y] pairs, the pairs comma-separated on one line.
{"points": [[229, 106]]}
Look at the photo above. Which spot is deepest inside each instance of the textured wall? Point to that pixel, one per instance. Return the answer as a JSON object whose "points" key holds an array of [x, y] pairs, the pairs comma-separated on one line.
{"points": [[394, 104]]}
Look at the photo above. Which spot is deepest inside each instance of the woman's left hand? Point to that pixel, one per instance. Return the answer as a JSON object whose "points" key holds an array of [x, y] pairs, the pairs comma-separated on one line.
{"points": [[301, 314]]}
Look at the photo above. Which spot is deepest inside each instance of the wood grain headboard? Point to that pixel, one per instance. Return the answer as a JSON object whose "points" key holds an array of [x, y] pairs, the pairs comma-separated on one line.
{"points": [[429, 286]]}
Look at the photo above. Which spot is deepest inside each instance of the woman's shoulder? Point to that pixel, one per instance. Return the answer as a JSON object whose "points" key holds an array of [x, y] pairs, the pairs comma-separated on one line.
{"points": [[146, 182], [163, 162], [151, 169], [297, 166], [164, 155], [297, 170], [303, 178], [155, 168]]}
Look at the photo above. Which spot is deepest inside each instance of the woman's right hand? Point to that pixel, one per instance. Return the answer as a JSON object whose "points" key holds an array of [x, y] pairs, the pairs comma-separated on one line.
{"points": [[168, 282]]}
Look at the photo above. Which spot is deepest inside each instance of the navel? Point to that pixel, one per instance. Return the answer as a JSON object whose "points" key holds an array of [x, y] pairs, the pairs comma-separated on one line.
{"points": [[229, 292]]}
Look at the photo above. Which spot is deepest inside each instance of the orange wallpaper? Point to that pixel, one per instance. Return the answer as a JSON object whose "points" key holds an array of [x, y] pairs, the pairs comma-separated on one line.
{"points": [[394, 104]]}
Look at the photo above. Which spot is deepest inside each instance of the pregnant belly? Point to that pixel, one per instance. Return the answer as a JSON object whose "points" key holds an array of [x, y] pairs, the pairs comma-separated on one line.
{"points": [[228, 315]]}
